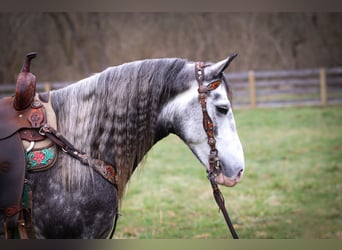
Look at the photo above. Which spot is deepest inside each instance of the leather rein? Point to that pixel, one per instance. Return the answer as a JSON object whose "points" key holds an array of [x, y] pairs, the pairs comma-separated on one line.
{"points": [[208, 125]]}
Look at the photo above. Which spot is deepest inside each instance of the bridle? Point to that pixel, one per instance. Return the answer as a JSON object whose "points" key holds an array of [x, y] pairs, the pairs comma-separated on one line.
{"points": [[208, 125]]}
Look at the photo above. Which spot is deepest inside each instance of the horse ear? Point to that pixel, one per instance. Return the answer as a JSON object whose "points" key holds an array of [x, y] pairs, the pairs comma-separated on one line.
{"points": [[216, 69]]}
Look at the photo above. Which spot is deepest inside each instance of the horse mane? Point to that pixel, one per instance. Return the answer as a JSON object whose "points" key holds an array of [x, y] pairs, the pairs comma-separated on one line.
{"points": [[112, 115]]}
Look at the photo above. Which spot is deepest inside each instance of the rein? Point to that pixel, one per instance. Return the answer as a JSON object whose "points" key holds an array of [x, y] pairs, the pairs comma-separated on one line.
{"points": [[208, 125]]}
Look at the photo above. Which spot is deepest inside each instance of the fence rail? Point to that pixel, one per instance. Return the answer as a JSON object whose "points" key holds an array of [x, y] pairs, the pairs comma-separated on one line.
{"points": [[306, 87]]}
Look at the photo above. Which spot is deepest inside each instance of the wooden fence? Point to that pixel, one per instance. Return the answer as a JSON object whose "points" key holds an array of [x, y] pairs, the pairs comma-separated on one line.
{"points": [[308, 87]]}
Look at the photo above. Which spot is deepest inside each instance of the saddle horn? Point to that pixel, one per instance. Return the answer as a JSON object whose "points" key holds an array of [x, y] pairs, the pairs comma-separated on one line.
{"points": [[26, 85]]}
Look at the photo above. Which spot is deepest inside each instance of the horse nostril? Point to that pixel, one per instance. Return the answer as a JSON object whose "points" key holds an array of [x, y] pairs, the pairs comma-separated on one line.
{"points": [[239, 175]]}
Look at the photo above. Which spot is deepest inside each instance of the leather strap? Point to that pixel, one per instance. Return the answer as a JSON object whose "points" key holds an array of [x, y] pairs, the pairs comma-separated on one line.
{"points": [[22, 230], [221, 204], [208, 125], [106, 170]]}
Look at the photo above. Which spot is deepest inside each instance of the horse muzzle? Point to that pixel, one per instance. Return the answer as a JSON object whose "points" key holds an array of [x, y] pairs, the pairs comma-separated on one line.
{"points": [[228, 181]]}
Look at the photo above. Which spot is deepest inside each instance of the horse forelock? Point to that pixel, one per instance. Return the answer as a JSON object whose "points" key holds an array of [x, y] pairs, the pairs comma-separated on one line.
{"points": [[112, 115]]}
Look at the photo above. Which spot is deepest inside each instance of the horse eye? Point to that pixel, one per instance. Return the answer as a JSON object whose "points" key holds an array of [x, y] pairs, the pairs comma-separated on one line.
{"points": [[222, 109]]}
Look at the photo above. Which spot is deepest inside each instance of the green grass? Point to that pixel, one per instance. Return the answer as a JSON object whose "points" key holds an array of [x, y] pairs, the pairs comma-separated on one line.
{"points": [[291, 189]]}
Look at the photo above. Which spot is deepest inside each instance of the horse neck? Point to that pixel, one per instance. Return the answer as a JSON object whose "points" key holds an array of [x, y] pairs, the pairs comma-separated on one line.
{"points": [[113, 115], [108, 122]]}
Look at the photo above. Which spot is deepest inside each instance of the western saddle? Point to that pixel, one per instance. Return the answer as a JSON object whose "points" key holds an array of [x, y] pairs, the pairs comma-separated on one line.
{"points": [[29, 142], [21, 117]]}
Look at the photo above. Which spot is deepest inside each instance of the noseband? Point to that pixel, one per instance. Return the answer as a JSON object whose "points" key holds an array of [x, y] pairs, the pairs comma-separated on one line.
{"points": [[208, 125]]}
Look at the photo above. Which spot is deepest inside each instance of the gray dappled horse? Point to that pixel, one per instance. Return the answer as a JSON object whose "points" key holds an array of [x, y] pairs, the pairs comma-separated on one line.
{"points": [[117, 116]]}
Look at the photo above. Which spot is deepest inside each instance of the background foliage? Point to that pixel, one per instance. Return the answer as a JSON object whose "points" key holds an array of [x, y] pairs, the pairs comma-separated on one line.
{"points": [[73, 45]]}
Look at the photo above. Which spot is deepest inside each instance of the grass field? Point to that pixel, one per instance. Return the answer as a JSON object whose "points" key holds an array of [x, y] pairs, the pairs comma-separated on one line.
{"points": [[292, 187]]}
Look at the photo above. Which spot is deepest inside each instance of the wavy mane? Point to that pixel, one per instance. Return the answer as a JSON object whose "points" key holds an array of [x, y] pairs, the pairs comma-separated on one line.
{"points": [[112, 115]]}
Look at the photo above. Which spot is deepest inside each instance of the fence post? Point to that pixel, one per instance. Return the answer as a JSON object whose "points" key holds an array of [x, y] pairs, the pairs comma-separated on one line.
{"points": [[47, 87], [323, 86], [251, 80]]}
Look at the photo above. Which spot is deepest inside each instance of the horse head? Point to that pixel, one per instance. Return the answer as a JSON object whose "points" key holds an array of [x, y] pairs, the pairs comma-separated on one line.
{"points": [[185, 119]]}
